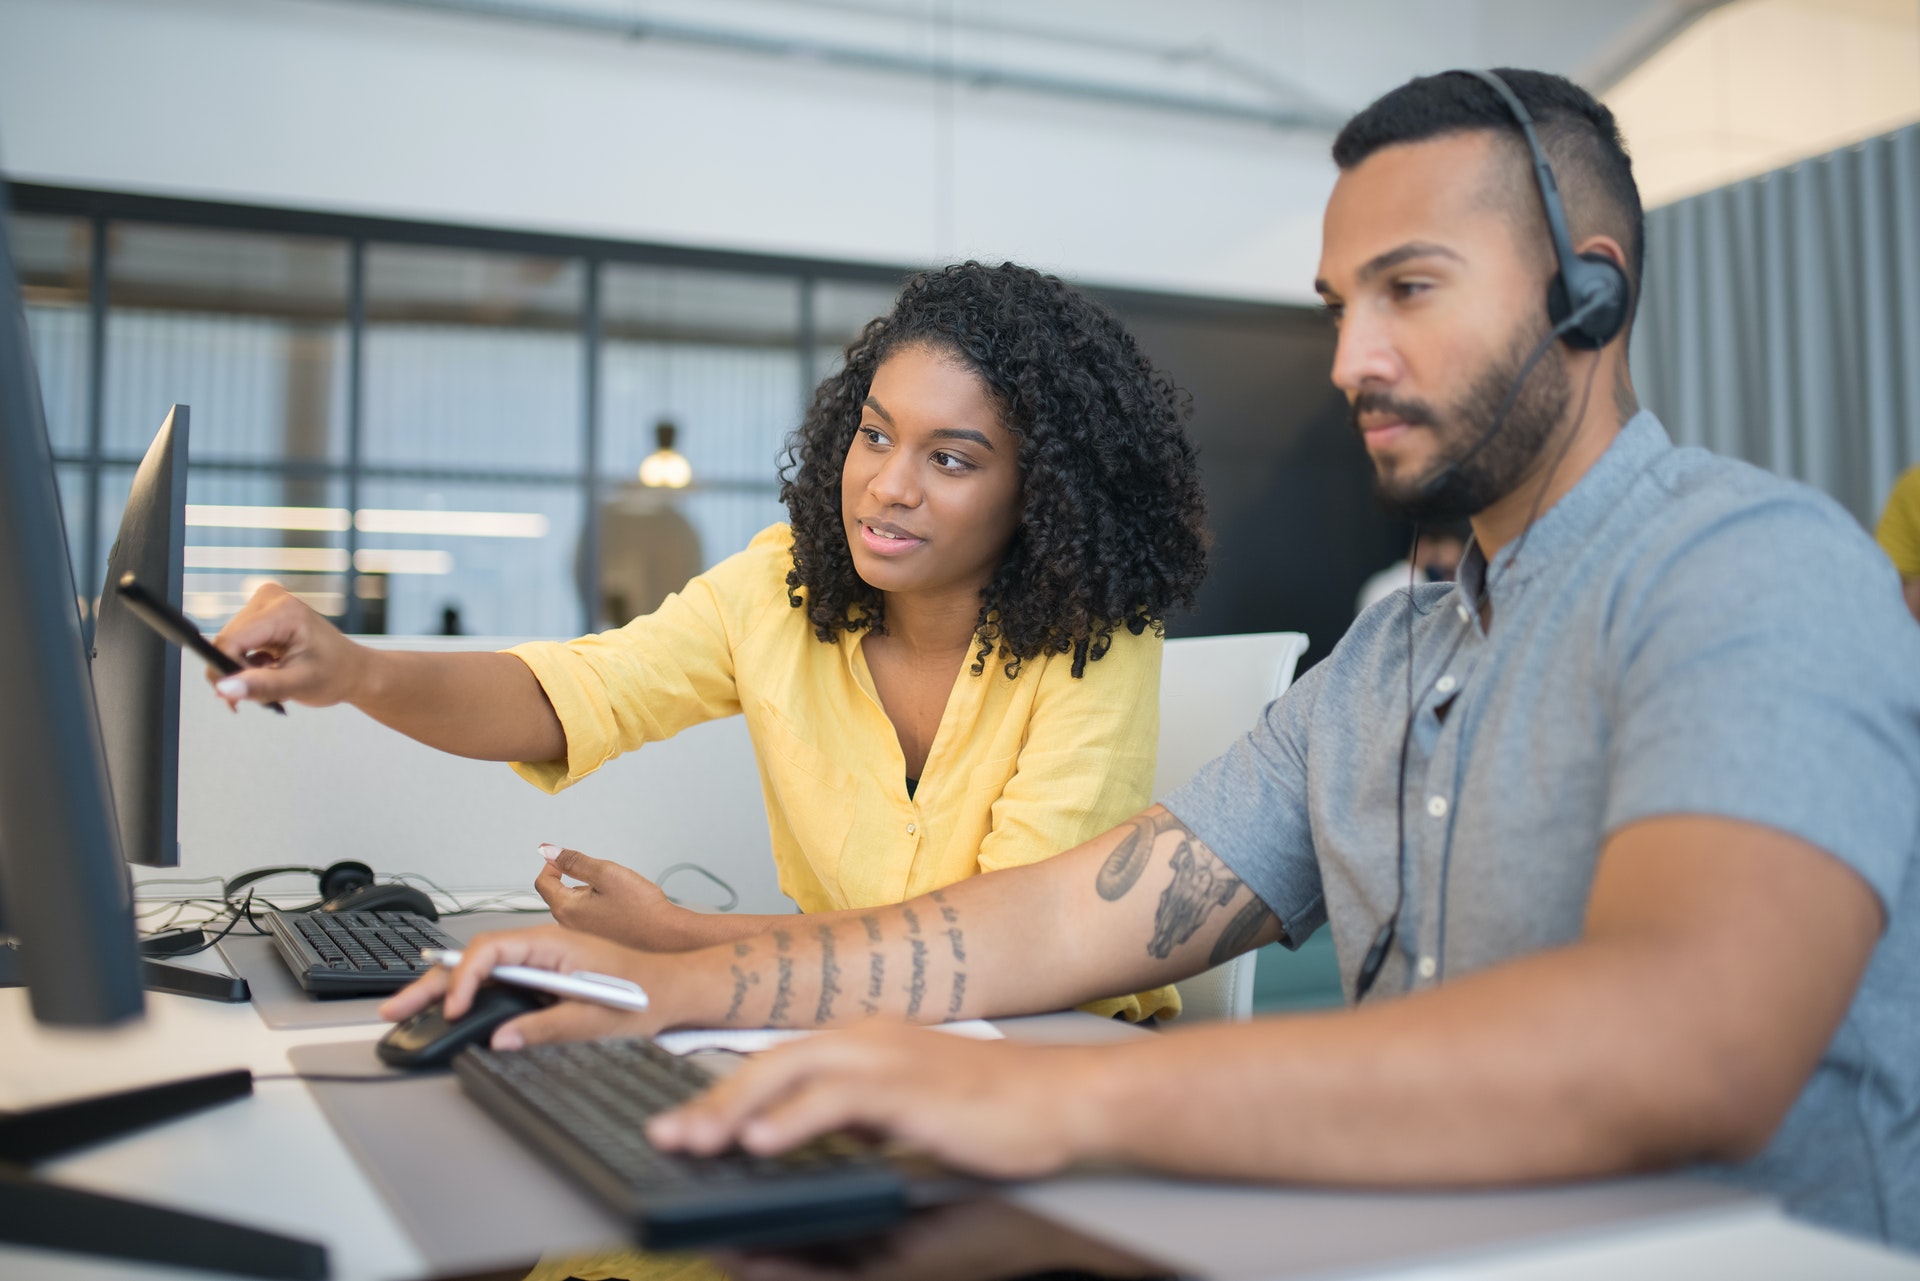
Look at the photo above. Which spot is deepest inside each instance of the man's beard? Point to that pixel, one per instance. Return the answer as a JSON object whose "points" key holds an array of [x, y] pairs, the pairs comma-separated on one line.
{"points": [[1463, 480]]}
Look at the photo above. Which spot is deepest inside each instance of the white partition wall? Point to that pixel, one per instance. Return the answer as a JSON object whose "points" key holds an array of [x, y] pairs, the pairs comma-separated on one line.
{"points": [[318, 785]]}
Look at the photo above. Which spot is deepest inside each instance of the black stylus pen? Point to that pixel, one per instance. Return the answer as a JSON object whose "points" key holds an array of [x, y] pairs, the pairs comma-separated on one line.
{"points": [[177, 627]]}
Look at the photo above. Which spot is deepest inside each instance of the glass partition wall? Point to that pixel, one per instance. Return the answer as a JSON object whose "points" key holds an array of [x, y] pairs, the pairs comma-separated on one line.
{"points": [[422, 430]]}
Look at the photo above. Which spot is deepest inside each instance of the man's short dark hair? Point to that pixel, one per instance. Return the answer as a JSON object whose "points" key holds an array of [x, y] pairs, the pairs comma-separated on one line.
{"points": [[1581, 138]]}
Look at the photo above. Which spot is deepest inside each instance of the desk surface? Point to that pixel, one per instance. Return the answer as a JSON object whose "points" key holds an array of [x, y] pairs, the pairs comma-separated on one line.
{"points": [[274, 1161]]}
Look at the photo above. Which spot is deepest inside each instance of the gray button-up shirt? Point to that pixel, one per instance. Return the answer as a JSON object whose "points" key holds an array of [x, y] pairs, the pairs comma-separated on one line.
{"points": [[1679, 634]]}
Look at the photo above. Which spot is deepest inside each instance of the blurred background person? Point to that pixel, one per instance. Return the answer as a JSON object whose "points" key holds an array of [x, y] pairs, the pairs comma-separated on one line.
{"points": [[1435, 559], [1899, 534]]}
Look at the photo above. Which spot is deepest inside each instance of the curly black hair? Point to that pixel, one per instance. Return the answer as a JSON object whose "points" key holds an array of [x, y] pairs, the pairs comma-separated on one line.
{"points": [[1112, 521]]}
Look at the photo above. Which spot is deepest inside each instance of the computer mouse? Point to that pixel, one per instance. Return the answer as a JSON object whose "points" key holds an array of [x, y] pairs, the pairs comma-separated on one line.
{"points": [[387, 896], [429, 1039]]}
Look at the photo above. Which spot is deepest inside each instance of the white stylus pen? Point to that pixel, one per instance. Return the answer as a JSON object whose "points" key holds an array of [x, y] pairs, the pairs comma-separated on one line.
{"points": [[581, 985]]}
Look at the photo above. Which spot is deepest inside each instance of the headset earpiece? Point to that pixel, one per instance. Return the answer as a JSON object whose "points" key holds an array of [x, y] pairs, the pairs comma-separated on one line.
{"points": [[1588, 296], [1597, 306], [341, 878]]}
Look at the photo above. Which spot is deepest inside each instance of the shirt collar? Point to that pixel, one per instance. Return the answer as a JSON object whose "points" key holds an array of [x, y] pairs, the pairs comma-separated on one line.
{"points": [[1572, 521]]}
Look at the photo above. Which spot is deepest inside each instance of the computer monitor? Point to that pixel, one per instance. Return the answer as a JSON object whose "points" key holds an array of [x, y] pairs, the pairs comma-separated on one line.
{"points": [[64, 888], [136, 673]]}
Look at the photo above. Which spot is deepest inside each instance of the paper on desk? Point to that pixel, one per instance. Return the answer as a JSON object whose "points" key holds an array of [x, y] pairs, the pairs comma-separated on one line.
{"points": [[754, 1039]]}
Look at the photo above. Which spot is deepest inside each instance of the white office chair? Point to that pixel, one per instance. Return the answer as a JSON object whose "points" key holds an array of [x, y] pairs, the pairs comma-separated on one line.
{"points": [[1211, 690]]}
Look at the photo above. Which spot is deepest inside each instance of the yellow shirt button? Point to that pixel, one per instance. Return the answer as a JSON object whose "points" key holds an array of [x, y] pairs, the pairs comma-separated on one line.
{"points": [[911, 829]]}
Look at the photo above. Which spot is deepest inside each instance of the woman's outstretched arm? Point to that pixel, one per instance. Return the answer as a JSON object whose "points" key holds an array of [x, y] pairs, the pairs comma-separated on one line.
{"points": [[486, 706]]}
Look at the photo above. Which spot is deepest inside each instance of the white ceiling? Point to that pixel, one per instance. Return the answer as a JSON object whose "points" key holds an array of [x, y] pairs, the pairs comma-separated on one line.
{"points": [[1129, 142], [1304, 56], [1762, 83]]}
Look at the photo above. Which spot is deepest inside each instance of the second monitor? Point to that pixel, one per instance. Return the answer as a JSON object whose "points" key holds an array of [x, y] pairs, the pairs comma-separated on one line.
{"points": [[136, 674]]}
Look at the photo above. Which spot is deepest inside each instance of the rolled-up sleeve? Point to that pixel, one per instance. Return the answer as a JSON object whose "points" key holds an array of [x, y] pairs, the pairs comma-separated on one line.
{"points": [[1249, 805], [1788, 698], [658, 675]]}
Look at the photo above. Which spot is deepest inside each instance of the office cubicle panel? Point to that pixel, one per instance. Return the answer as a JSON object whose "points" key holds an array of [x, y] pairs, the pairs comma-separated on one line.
{"points": [[1289, 488]]}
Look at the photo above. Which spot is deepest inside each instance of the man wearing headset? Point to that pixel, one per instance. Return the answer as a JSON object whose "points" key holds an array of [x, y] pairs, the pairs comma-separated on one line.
{"points": [[1616, 835]]}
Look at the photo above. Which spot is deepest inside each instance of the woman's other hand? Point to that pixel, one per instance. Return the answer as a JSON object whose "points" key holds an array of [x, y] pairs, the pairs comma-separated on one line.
{"points": [[292, 654], [615, 902]]}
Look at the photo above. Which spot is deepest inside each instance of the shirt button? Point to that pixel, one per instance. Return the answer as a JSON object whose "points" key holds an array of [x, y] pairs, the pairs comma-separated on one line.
{"points": [[1445, 684], [1462, 611], [1427, 967], [1436, 806], [911, 829]]}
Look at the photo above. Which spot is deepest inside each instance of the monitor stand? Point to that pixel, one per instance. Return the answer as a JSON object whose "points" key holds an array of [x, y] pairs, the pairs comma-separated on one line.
{"points": [[155, 976], [49, 1216], [184, 980]]}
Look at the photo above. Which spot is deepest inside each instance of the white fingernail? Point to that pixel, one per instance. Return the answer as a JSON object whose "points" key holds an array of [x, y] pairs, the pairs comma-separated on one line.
{"points": [[549, 852], [232, 687]]}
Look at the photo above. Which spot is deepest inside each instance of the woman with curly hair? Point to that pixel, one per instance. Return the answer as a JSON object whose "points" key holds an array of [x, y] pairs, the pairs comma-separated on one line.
{"points": [[948, 660]]}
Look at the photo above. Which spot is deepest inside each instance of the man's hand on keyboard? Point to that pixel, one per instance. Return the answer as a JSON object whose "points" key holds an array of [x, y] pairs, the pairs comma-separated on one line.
{"points": [[545, 948], [995, 1108]]}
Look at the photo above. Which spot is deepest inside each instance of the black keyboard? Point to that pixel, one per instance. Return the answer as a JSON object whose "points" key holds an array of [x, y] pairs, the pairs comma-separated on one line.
{"points": [[583, 1105], [355, 953]]}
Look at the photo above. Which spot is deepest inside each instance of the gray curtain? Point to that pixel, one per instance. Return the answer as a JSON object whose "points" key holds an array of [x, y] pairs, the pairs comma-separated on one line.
{"points": [[1780, 320]]}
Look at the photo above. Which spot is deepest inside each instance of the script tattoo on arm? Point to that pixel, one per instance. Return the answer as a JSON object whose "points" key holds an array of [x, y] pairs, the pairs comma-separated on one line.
{"points": [[783, 988], [829, 975], [959, 993], [741, 982], [876, 976], [1201, 882], [1123, 868], [873, 928], [917, 985], [954, 934], [1240, 931]]}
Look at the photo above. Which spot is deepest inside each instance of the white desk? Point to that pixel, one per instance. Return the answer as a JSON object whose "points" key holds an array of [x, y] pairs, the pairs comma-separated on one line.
{"points": [[272, 1161]]}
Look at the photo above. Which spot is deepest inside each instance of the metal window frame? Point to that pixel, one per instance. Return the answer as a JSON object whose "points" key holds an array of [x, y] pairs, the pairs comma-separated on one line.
{"points": [[103, 209]]}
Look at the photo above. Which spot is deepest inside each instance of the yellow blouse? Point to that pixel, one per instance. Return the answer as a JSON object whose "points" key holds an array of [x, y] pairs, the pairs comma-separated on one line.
{"points": [[1019, 769]]}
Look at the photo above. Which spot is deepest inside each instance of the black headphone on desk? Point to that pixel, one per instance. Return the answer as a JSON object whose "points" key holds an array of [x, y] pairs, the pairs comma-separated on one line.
{"points": [[335, 879], [1587, 303]]}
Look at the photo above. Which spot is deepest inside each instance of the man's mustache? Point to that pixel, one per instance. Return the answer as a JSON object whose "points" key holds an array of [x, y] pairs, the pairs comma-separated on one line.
{"points": [[1414, 413]]}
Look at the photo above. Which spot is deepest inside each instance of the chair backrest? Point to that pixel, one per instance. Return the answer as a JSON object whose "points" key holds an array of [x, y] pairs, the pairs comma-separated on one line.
{"points": [[1211, 690]]}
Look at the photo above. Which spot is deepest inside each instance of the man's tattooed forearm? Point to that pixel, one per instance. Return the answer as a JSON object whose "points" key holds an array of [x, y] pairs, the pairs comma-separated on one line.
{"points": [[782, 991], [1240, 931], [876, 979], [829, 975], [1124, 867], [873, 928], [959, 993], [952, 918], [741, 982], [1200, 883], [917, 985]]}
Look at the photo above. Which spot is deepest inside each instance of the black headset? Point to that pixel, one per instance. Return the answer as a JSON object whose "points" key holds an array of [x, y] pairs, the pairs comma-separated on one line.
{"points": [[335, 879], [1587, 298], [1587, 303]]}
